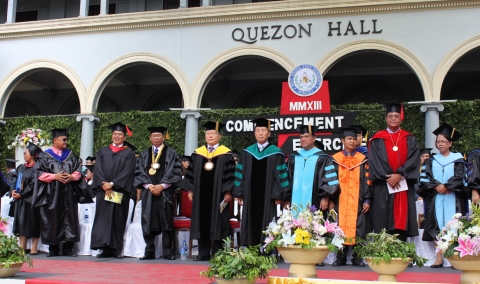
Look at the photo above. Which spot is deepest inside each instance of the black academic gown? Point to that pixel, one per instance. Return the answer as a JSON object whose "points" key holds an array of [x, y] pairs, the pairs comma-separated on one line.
{"points": [[259, 182], [158, 211], [474, 170], [382, 207], [57, 201], [27, 218], [321, 188], [111, 218], [7, 182], [427, 191], [209, 188]]}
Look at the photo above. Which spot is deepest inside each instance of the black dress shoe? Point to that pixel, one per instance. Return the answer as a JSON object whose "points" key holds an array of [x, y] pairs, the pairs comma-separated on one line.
{"points": [[147, 256], [320, 264], [51, 254], [71, 253], [169, 257], [339, 263], [27, 251], [104, 255], [361, 264], [410, 265], [120, 256], [437, 265], [202, 258]]}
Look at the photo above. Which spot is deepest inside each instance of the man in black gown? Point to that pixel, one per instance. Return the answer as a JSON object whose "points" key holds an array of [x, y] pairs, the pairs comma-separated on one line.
{"points": [[261, 183], [158, 171], [55, 193], [114, 173], [209, 182]]}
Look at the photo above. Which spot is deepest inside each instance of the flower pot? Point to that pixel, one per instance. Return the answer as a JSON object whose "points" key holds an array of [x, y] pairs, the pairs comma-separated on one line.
{"points": [[303, 261], [9, 272], [469, 265], [240, 280], [387, 271]]}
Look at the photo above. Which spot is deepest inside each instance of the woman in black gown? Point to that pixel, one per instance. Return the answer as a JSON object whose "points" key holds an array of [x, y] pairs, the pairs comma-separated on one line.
{"points": [[26, 223]]}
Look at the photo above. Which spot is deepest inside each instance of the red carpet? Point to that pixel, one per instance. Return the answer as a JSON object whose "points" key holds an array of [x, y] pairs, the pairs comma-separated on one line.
{"points": [[66, 271]]}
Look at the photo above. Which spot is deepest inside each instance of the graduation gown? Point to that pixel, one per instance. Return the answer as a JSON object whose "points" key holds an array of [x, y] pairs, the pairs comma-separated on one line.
{"points": [[379, 161], [456, 183], [325, 182], [57, 201], [27, 218], [473, 173], [353, 178], [158, 211], [209, 188], [7, 182], [260, 178], [111, 218]]}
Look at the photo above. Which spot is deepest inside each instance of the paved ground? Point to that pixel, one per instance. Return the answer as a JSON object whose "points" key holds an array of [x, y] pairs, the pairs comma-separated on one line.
{"points": [[87, 269]]}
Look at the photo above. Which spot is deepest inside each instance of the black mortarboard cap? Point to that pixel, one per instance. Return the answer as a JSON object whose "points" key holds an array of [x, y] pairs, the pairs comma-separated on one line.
{"points": [[186, 158], [449, 132], [425, 151], [348, 131], [318, 144], [395, 107], [159, 129], [34, 148], [130, 146], [11, 163], [263, 122], [118, 126], [360, 129], [90, 158], [306, 129], [213, 125], [60, 132]]}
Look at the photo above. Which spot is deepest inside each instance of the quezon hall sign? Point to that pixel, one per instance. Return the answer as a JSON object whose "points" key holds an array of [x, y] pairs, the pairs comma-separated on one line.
{"points": [[305, 100]]}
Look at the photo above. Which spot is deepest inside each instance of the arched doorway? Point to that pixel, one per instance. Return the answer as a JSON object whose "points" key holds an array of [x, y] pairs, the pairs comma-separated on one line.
{"points": [[372, 76], [140, 86], [42, 91], [462, 81], [245, 82]]}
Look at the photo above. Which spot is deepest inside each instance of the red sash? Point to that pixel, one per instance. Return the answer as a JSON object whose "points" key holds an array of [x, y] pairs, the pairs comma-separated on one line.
{"points": [[117, 149]]}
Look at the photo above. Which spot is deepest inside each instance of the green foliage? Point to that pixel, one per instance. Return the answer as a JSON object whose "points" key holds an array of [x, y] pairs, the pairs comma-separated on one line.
{"points": [[384, 247], [10, 251], [230, 263], [465, 116]]}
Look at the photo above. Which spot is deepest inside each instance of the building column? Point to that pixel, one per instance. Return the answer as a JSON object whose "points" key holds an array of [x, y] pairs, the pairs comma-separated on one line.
{"points": [[206, 3], [84, 4], [88, 125], [191, 130], [103, 7], [432, 122], [11, 11]]}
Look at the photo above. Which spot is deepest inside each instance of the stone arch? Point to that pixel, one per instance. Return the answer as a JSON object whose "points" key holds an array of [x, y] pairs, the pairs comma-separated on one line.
{"points": [[406, 56], [102, 78], [448, 61], [212, 66], [9, 83]]}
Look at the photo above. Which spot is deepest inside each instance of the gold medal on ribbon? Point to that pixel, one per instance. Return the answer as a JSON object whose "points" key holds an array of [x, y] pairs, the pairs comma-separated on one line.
{"points": [[209, 166], [152, 171], [156, 166], [395, 148]]}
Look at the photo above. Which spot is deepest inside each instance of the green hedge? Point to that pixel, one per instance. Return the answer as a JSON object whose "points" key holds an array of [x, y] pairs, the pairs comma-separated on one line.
{"points": [[465, 116]]}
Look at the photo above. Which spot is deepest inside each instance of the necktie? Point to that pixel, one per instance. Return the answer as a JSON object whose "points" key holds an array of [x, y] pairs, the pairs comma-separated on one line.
{"points": [[260, 148], [210, 149], [155, 152]]}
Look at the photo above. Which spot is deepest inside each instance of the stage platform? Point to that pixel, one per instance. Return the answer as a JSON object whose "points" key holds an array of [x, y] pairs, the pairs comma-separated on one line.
{"points": [[87, 269]]}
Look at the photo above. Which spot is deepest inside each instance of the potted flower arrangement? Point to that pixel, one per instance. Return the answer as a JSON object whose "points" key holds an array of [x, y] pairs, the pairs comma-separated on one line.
{"points": [[12, 255], [304, 238], [30, 135], [459, 241], [244, 265], [387, 255]]}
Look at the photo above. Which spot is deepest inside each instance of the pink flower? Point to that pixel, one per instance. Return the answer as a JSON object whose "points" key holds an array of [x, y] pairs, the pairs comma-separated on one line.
{"points": [[3, 227], [269, 240], [330, 226], [465, 247]]}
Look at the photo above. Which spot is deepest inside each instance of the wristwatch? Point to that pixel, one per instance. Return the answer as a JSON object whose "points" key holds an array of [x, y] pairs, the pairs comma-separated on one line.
{"points": [[112, 183]]}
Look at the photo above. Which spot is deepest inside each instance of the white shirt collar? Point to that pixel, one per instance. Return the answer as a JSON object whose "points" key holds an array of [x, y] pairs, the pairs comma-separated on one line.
{"points": [[159, 147], [117, 145], [262, 146], [214, 146], [390, 131]]}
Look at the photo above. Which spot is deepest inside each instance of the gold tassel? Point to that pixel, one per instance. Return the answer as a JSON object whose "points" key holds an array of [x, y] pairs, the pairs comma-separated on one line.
{"points": [[216, 126], [268, 124], [453, 131], [310, 129], [366, 137], [167, 136]]}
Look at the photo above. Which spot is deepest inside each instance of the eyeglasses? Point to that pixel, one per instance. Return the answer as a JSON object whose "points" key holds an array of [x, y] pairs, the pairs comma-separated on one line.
{"points": [[442, 142], [157, 136], [393, 116], [211, 133], [65, 139]]}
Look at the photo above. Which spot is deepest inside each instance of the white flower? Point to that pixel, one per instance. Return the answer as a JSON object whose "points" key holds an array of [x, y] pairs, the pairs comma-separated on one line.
{"points": [[337, 241], [287, 239], [457, 215], [475, 230]]}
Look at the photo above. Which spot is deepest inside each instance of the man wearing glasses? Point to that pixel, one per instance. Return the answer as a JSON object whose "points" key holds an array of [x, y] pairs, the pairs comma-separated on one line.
{"points": [[393, 161], [59, 179], [209, 182]]}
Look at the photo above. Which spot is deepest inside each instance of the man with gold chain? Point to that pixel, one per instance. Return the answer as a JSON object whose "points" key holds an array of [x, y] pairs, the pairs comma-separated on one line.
{"points": [[355, 197], [209, 182], [393, 158], [158, 171]]}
